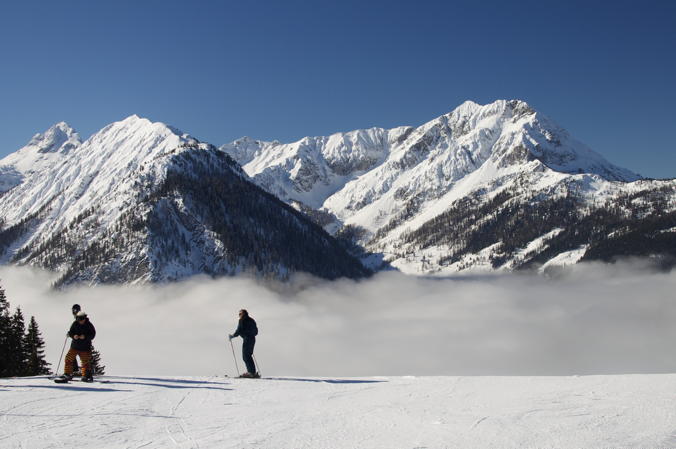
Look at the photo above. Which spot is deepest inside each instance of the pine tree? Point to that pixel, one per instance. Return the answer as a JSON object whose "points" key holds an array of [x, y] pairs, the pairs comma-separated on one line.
{"points": [[17, 355], [4, 333], [4, 304], [36, 363], [97, 368]]}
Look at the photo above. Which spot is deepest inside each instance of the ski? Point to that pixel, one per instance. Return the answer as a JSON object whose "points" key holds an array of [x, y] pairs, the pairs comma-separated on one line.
{"points": [[61, 380], [242, 377]]}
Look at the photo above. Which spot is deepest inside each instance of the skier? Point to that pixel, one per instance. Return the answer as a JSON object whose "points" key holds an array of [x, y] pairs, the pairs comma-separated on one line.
{"points": [[75, 309], [248, 330], [82, 332]]}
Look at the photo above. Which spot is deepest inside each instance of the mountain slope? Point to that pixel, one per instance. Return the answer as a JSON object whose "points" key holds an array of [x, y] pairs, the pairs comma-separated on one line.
{"points": [[398, 181], [140, 201]]}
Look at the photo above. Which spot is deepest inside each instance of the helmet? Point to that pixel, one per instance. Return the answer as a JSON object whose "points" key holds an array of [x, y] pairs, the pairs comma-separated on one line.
{"points": [[81, 315], [76, 308]]}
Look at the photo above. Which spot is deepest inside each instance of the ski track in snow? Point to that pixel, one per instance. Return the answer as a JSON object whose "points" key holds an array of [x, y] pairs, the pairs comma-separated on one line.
{"points": [[624, 411]]}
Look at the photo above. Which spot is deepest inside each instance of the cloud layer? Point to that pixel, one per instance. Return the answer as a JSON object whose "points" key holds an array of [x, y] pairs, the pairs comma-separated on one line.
{"points": [[592, 319]]}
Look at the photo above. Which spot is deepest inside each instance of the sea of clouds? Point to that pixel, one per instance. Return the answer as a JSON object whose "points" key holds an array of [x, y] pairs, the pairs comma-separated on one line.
{"points": [[588, 319]]}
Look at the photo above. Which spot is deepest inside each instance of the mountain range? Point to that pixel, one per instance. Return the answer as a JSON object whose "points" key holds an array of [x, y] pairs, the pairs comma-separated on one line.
{"points": [[143, 202], [484, 187]]}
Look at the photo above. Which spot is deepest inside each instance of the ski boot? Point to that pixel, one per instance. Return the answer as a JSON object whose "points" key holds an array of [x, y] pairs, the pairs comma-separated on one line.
{"points": [[63, 379]]}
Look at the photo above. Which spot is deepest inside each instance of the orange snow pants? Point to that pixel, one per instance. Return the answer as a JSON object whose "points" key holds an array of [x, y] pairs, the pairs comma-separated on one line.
{"points": [[85, 361]]}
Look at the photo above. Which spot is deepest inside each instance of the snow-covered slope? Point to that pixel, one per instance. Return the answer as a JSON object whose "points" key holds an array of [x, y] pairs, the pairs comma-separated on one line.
{"points": [[314, 168], [385, 412], [378, 186], [141, 201]]}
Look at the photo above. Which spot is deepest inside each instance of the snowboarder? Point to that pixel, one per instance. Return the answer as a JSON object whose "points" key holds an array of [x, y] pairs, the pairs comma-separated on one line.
{"points": [[75, 309], [248, 330], [82, 332]]}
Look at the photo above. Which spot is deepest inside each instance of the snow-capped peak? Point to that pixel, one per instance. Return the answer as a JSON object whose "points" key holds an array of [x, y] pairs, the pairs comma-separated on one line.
{"points": [[466, 108], [91, 171], [133, 118], [135, 123], [244, 149], [43, 150], [58, 138]]}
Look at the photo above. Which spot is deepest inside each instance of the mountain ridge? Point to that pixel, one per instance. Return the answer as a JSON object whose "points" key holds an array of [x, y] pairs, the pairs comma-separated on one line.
{"points": [[504, 145], [484, 187], [135, 203]]}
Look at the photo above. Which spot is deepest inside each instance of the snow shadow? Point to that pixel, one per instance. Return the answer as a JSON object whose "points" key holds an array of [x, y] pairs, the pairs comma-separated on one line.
{"points": [[327, 381], [170, 386], [163, 379], [671, 441], [71, 388]]}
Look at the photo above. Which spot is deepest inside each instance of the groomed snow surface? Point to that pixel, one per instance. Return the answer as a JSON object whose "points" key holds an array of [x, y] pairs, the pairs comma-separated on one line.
{"points": [[623, 411]]}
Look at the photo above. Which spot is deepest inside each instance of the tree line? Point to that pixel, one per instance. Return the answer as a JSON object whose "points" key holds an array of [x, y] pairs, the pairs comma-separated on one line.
{"points": [[22, 350]]}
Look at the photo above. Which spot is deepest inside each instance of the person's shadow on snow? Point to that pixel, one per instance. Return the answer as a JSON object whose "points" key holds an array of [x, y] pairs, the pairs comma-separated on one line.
{"points": [[328, 381]]}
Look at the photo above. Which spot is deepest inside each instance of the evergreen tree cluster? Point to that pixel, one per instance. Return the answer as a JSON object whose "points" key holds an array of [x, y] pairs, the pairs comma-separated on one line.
{"points": [[21, 349]]}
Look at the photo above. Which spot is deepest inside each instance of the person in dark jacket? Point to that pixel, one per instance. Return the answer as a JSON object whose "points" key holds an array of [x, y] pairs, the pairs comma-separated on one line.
{"points": [[248, 330], [75, 309], [82, 332]]}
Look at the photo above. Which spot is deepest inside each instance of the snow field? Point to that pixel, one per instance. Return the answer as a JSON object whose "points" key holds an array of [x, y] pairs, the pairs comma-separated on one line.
{"points": [[624, 411]]}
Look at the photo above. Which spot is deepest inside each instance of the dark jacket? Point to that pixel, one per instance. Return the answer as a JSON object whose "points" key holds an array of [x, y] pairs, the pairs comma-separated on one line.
{"points": [[246, 328], [86, 329]]}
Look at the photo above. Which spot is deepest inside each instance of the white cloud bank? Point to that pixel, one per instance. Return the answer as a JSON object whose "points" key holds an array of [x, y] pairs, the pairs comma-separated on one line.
{"points": [[591, 320]]}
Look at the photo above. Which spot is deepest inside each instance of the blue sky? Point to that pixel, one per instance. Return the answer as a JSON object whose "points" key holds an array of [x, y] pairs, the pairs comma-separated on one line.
{"points": [[219, 70]]}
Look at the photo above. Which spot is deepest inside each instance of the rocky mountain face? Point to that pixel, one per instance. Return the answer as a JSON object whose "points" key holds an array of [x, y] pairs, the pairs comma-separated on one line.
{"points": [[143, 202], [495, 187]]}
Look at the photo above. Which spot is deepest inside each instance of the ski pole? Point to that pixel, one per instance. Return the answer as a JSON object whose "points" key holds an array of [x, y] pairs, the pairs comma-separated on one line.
{"points": [[56, 373], [234, 357], [257, 365]]}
